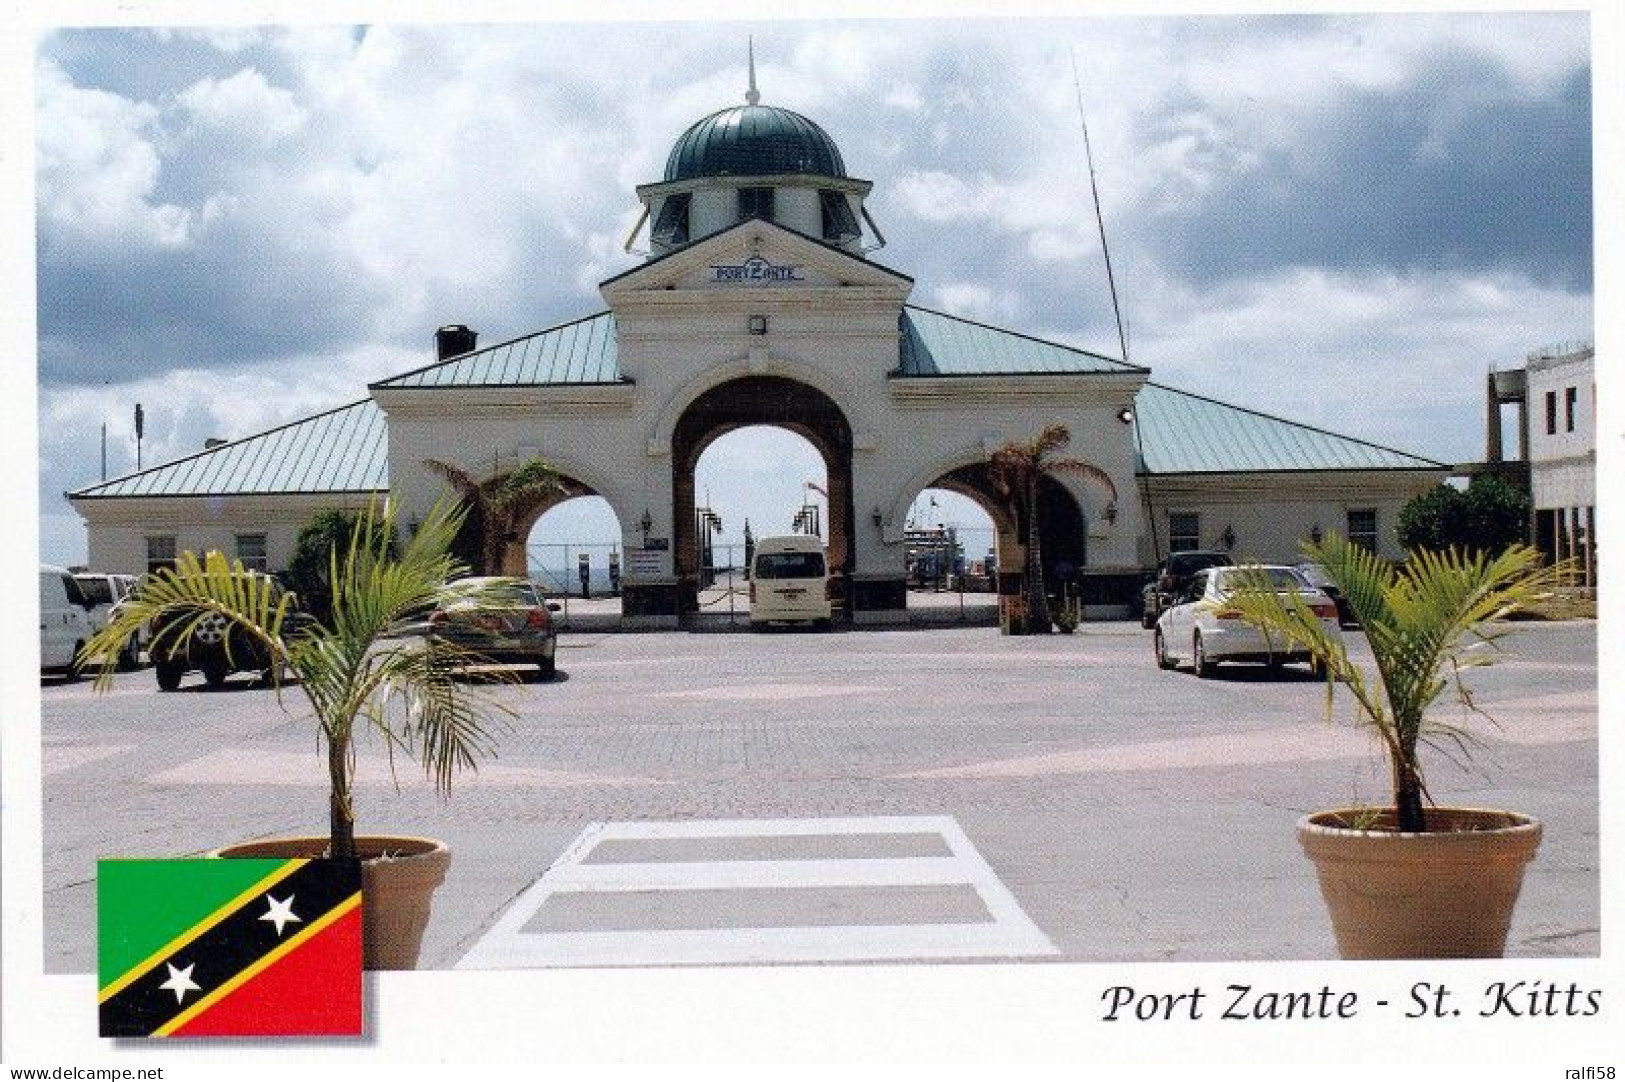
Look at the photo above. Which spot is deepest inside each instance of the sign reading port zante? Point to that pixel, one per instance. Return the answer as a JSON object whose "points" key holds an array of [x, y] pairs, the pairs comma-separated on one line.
{"points": [[757, 269]]}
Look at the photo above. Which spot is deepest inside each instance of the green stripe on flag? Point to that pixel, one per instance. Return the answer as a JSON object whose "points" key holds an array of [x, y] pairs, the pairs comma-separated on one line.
{"points": [[150, 902]]}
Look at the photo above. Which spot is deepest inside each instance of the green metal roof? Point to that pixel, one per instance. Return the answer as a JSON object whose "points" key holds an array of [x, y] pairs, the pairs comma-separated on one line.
{"points": [[342, 450], [753, 141], [1181, 432], [580, 352], [937, 344], [346, 449]]}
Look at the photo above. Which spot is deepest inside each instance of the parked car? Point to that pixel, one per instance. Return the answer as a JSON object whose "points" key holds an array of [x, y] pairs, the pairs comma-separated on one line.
{"points": [[215, 647], [1201, 629], [103, 593], [1320, 580], [520, 631], [1171, 578], [63, 623]]}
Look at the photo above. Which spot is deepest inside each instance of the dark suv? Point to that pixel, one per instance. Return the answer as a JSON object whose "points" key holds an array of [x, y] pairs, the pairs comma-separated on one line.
{"points": [[216, 647], [1170, 579]]}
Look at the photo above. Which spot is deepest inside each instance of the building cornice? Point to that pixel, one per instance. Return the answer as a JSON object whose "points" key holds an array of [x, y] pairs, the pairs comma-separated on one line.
{"points": [[505, 400]]}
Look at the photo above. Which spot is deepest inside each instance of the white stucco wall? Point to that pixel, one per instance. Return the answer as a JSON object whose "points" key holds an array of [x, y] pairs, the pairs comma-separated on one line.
{"points": [[1562, 464], [118, 529], [1272, 514]]}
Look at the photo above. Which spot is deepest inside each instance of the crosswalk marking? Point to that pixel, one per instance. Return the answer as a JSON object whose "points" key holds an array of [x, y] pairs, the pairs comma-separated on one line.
{"points": [[510, 944]]}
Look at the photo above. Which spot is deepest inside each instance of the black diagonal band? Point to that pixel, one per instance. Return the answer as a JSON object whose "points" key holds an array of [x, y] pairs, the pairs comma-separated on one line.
{"points": [[225, 948]]}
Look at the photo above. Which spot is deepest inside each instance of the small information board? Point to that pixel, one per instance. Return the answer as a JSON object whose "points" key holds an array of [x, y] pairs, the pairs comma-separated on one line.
{"points": [[645, 563]]}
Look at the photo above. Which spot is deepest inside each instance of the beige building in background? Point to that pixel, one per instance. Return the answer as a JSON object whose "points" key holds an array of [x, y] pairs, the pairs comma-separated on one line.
{"points": [[758, 304]]}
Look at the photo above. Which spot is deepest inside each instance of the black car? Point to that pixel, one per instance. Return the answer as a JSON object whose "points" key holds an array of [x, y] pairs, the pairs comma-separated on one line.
{"points": [[1320, 580], [1170, 579], [511, 625], [216, 647]]}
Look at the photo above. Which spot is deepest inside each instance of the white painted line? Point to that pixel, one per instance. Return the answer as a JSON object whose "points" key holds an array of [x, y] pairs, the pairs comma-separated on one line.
{"points": [[1009, 934], [775, 828], [744, 874]]}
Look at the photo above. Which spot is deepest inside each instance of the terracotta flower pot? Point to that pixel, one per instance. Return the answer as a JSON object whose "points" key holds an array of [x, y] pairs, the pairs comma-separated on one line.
{"points": [[398, 881], [1448, 893]]}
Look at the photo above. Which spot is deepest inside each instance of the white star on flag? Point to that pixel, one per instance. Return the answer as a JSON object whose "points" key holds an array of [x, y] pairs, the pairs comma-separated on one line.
{"points": [[281, 913], [180, 981]]}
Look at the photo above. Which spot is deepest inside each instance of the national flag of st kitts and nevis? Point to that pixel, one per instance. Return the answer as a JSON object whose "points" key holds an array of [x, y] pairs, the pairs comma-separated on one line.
{"points": [[229, 948]]}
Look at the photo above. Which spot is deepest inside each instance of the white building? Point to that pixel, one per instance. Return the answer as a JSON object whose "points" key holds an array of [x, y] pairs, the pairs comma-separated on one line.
{"points": [[758, 305], [1562, 420]]}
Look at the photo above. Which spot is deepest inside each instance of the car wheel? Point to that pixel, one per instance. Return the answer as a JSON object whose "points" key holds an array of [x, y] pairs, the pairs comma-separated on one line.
{"points": [[1161, 648], [129, 659], [72, 672], [1201, 664], [1148, 620], [169, 674], [548, 667], [215, 670]]}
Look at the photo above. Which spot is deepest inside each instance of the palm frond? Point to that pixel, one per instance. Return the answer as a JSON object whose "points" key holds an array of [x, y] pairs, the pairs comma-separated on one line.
{"points": [[1425, 624]]}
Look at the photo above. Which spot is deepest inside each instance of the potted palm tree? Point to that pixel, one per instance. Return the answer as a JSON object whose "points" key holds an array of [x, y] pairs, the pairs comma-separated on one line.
{"points": [[361, 667], [1411, 880]]}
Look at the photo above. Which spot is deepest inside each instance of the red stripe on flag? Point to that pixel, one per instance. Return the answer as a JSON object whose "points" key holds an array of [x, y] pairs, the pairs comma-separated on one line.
{"points": [[314, 991]]}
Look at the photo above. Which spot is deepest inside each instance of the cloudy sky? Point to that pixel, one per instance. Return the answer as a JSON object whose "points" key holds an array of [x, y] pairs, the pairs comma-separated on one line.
{"points": [[1344, 220]]}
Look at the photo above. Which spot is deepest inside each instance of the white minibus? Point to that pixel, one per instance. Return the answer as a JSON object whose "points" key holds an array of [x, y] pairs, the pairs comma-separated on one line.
{"points": [[789, 581]]}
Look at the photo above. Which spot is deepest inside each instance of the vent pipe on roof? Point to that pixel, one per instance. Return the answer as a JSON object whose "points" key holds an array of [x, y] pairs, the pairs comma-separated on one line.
{"points": [[214, 441], [454, 341]]}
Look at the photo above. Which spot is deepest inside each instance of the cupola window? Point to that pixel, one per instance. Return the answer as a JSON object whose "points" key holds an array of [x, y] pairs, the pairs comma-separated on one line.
{"points": [[839, 221], [672, 226], [755, 203]]}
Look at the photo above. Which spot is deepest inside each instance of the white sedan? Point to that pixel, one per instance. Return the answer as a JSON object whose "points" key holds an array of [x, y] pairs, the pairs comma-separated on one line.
{"points": [[1200, 627]]}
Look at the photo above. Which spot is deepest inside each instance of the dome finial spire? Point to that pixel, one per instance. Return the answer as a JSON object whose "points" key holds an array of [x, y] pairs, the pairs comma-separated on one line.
{"points": [[752, 96]]}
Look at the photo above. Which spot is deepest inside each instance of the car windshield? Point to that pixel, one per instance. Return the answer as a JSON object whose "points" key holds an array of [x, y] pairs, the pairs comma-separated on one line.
{"points": [[516, 593], [1274, 578], [790, 565], [1316, 574], [1186, 564], [95, 588]]}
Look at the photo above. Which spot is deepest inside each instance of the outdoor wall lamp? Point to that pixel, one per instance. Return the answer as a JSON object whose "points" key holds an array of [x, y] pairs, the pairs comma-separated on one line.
{"points": [[1229, 537], [1126, 415], [758, 324], [648, 523], [1314, 533], [878, 517], [1111, 512]]}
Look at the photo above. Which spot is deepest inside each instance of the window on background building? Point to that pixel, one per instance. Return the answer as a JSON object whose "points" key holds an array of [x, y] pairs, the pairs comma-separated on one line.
{"points": [[1551, 413], [1184, 531], [251, 551], [1363, 528], [160, 552], [756, 203], [839, 221], [672, 225], [1571, 398]]}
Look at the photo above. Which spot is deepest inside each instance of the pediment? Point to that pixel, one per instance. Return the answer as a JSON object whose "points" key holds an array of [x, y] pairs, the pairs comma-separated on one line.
{"points": [[754, 256]]}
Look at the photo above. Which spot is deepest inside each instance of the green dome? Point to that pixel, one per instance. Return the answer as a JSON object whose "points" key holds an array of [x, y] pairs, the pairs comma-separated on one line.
{"points": [[754, 141]]}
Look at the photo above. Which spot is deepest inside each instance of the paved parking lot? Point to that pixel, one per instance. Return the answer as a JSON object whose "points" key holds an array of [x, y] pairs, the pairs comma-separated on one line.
{"points": [[921, 795]]}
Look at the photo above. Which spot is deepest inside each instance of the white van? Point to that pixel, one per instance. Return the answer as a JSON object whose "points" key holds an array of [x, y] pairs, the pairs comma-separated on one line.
{"points": [[102, 595], [63, 624], [789, 581]]}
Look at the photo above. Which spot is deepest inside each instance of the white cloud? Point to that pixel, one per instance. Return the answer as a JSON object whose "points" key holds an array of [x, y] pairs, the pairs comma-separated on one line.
{"points": [[244, 105], [1396, 359], [97, 170], [979, 302]]}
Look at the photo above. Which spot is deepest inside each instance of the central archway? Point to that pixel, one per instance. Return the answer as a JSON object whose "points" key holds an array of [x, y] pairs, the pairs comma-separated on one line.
{"points": [[762, 400]]}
